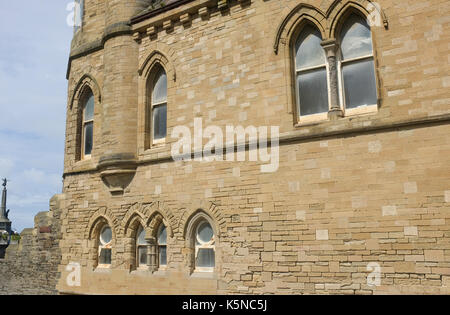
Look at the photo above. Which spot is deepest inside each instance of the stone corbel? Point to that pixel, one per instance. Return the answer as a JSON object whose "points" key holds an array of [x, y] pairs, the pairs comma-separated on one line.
{"points": [[117, 174], [331, 47]]}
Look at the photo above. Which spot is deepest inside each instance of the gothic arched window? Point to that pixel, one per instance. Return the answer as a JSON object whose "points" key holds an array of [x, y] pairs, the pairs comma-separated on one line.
{"points": [[158, 105], [311, 73], [357, 63], [204, 246], [104, 247], [87, 125]]}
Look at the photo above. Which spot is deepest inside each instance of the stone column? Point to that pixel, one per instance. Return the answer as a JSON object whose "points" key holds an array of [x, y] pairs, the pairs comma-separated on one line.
{"points": [[152, 254], [331, 48]]}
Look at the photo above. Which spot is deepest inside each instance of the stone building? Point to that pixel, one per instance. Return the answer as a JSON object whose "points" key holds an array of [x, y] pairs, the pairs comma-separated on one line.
{"points": [[358, 201]]}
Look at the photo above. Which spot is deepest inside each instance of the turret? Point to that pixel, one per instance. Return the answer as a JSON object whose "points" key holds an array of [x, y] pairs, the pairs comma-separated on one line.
{"points": [[120, 94]]}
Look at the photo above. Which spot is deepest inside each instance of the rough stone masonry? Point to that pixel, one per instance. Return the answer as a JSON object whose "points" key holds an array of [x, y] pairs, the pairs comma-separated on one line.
{"points": [[360, 203]]}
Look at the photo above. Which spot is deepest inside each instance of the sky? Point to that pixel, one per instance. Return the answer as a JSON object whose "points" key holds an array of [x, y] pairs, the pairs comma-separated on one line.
{"points": [[34, 48]]}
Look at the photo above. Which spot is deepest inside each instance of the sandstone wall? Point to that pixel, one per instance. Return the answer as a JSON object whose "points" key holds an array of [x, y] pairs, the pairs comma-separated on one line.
{"points": [[31, 267], [362, 189]]}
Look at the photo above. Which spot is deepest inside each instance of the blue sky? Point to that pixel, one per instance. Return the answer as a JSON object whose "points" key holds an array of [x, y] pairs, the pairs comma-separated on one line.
{"points": [[34, 49]]}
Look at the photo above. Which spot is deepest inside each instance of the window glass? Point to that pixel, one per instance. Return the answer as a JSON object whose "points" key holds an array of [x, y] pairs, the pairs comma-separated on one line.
{"points": [[356, 39], [106, 235], [308, 50], [205, 233], [88, 136], [141, 236], [105, 256], [159, 122], [142, 255], [312, 91], [205, 257], [159, 93], [89, 108], [359, 78], [162, 235], [312, 83]]}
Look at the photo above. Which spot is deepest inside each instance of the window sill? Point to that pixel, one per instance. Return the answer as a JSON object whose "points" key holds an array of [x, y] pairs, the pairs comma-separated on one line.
{"points": [[361, 110], [204, 274], [103, 269]]}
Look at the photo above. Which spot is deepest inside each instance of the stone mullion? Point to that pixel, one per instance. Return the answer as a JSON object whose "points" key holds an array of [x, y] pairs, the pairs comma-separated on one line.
{"points": [[331, 48]]}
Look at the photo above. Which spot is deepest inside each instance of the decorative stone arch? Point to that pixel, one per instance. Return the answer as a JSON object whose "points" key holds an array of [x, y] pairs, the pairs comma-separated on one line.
{"points": [[208, 209], [158, 213], [339, 11], [108, 217], [188, 223], [98, 220], [145, 214], [294, 16], [162, 55], [133, 218], [86, 81]]}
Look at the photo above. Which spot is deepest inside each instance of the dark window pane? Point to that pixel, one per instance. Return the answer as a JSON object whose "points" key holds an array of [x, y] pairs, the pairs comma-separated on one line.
{"points": [[205, 257], [142, 254], [88, 138], [356, 38], [359, 84], [89, 108], [308, 50], [162, 255], [159, 122], [313, 92], [105, 256]]}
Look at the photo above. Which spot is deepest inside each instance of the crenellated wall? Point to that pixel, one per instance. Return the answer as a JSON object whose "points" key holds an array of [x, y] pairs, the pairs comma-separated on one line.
{"points": [[31, 266]]}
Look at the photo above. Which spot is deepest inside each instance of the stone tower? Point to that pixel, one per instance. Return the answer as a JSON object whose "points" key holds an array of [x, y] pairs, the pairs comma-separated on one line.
{"points": [[5, 223]]}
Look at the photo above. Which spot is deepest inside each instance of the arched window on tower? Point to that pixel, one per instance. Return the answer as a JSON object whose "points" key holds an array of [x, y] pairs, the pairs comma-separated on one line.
{"points": [[87, 136], [158, 106], [311, 73], [357, 64]]}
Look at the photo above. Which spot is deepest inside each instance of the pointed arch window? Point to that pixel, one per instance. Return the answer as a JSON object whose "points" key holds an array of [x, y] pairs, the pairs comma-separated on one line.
{"points": [[87, 125], [357, 64], [105, 247], [311, 73], [158, 106], [204, 247]]}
